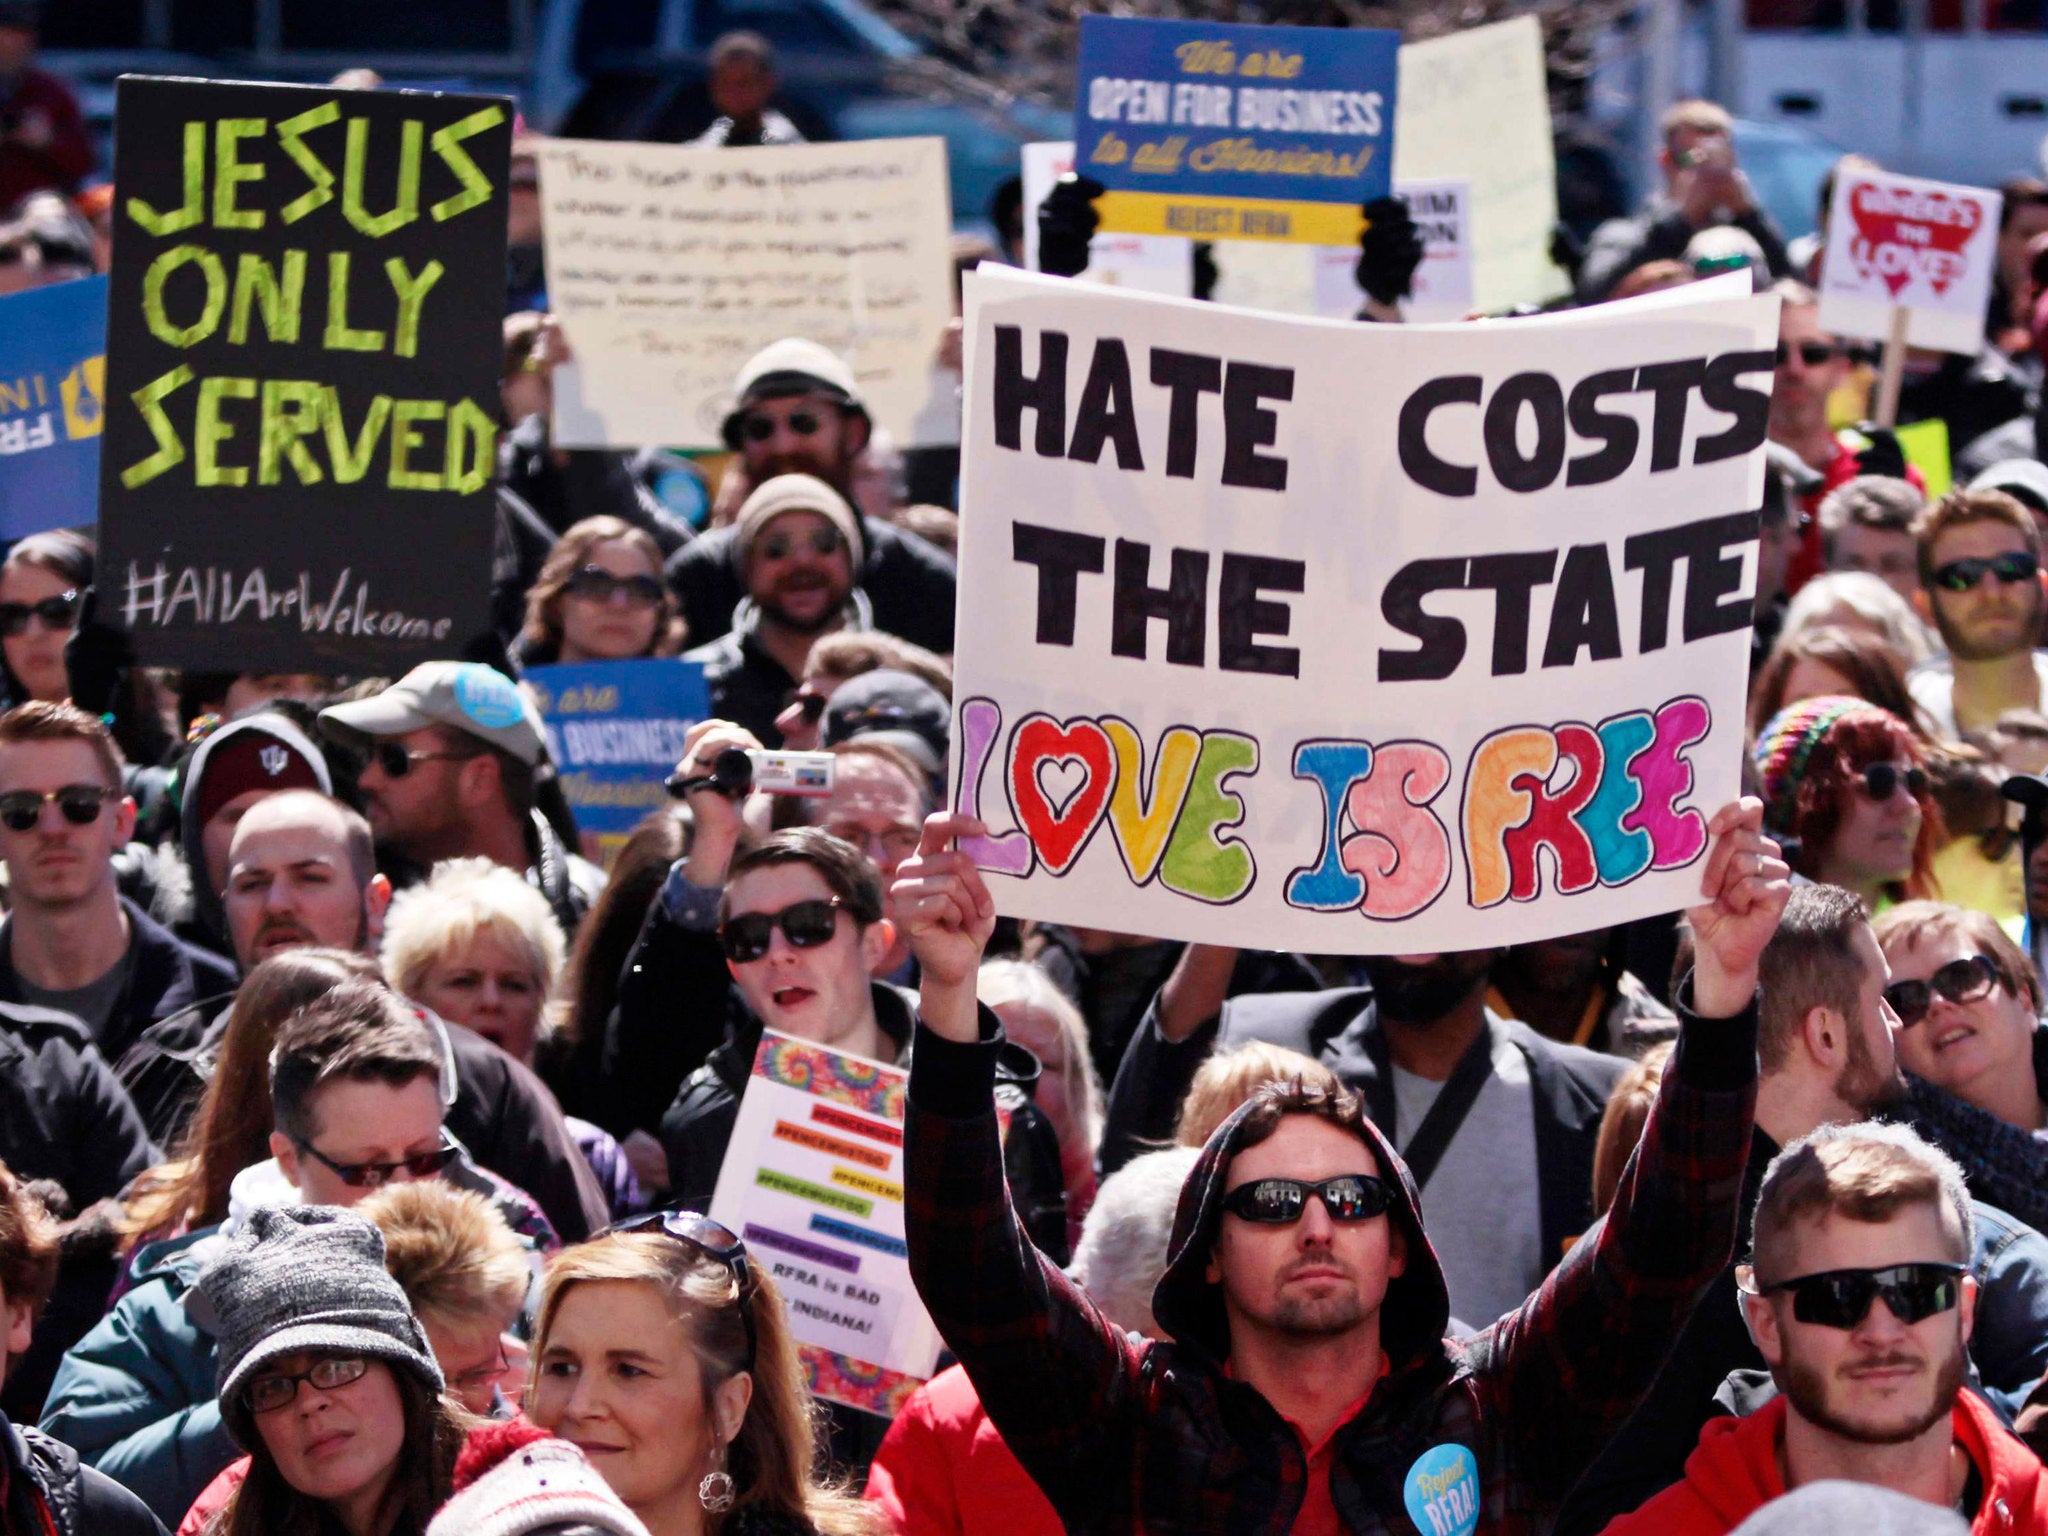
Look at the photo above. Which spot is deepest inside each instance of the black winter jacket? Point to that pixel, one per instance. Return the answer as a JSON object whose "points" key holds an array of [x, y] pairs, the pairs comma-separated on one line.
{"points": [[909, 581], [63, 1113], [38, 1471]]}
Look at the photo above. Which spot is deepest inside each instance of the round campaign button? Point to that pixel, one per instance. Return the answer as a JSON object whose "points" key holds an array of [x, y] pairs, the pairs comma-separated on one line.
{"points": [[487, 697], [1442, 1491]]}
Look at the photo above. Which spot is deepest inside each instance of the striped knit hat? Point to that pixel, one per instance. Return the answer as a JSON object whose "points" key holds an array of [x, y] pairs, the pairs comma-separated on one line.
{"points": [[1787, 743]]}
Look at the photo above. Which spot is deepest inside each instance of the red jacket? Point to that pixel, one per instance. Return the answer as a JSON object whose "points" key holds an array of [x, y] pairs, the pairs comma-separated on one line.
{"points": [[1734, 1470], [944, 1471]]}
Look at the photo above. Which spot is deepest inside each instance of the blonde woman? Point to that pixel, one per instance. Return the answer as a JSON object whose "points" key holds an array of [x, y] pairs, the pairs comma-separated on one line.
{"points": [[663, 1354], [1041, 1018]]}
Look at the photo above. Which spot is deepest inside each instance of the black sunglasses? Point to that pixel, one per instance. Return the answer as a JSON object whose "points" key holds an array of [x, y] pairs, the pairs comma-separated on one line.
{"points": [[21, 809], [397, 762], [758, 429], [714, 1240], [1962, 575], [1841, 1298], [1279, 1202], [778, 546], [59, 612], [1811, 353], [807, 924], [1960, 981], [600, 586], [1881, 781], [424, 1165]]}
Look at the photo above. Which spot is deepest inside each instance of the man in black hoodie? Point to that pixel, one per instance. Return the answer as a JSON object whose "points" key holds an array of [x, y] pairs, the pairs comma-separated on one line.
{"points": [[1309, 1386]]}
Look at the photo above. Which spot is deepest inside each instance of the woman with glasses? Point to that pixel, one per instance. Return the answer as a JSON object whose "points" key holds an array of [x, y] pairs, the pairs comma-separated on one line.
{"points": [[664, 1355], [325, 1379], [600, 597], [1969, 1007], [43, 585], [1846, 791]]}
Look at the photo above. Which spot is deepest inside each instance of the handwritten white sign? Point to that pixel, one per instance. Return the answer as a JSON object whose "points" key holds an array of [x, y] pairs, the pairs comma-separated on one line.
{"points": [[1249, 657], [671, 266], [1929, 247]]}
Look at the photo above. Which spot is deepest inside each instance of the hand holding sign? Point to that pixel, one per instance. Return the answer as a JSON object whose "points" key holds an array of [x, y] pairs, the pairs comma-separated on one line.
{"points": [[1746, 884], [941, 903]]}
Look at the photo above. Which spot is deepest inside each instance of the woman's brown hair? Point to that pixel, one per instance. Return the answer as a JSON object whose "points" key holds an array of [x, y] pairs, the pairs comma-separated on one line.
{"points": [[231, 1128], [544, 601], [773, 1458], [1869, 666], [266, 1505]]}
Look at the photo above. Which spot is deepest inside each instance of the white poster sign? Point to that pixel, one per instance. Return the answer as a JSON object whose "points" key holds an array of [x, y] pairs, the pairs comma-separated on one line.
{"points": [[1898, 242], [1476, 105], [813, 1181], [1298, 634], [671, 266], [1148, 263]]}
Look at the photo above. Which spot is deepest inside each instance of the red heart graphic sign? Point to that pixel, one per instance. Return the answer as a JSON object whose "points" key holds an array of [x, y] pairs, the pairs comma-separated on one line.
{"points": [[1902, 234], [1041, 742]]}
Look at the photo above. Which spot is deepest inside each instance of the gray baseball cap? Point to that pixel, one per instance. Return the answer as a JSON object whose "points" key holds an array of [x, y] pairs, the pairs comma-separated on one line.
{"points": [[462, 695]]}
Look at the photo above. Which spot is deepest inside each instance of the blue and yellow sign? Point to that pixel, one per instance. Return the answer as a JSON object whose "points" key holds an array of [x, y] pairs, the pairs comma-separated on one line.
{"points": [[615, 729], [53, 370], [1218, 132]]}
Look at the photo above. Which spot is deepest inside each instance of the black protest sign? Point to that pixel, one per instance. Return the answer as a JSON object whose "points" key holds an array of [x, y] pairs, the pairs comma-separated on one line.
{"points": [[303, 349]]}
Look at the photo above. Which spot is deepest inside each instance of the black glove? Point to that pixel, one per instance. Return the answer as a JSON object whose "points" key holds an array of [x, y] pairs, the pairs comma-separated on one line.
{"points": [[1067, 221], [1884, 455], [97, 660], [1389, 251]]}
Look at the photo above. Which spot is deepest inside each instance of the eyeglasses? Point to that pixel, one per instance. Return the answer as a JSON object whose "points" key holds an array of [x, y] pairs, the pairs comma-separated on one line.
{"points": [[1962, 575], [601, 586], [482, 1375], [712, 1239], [397, 762], [806, 924], [758, 429], [779, 546], [1960, 981], [1841, 1298], [276, 1389], [1811, 353], [1279, 1202], [891, 845], [59, 612], [21, 809], [422, 1165], [1880, 781]]}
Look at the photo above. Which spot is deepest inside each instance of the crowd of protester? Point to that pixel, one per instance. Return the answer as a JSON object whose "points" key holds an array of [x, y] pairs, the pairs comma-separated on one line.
{"points": [[358, 1115]]}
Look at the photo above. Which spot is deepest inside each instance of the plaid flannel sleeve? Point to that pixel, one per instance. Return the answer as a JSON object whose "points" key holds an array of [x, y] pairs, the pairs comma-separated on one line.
{"points": [[1059, 1381], [1563, 1371]]}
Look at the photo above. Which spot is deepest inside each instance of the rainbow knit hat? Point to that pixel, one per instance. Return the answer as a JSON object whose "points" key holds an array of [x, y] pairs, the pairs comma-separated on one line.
{"points": [[1787, 741]]}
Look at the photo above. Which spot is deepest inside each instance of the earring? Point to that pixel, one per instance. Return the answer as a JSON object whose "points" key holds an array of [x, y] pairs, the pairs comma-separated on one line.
{"points": [[715, 1491]]}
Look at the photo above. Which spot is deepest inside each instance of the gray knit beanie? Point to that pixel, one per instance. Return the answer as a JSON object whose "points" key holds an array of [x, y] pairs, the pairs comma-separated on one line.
{"points": [[306, 1277]]}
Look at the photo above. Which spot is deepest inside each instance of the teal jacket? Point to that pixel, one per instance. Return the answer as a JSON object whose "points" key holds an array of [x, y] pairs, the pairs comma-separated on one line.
{"points": [[135, 1398]]}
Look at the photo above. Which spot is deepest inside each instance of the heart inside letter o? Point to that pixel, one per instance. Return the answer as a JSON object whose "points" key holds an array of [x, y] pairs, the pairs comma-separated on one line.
{"points": [[1059, 832]]}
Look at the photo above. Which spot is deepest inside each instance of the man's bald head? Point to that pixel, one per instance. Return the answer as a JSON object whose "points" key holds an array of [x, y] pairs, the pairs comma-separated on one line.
{"points": [[302, 870]]}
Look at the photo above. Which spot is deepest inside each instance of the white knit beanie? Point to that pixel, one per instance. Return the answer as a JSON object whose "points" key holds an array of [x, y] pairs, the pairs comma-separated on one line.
{"points": [[540, 1484]]}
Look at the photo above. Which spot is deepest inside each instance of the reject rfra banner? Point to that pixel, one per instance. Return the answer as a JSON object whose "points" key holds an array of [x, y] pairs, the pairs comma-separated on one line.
{"points": [[1304, 635], [303, 349]]}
